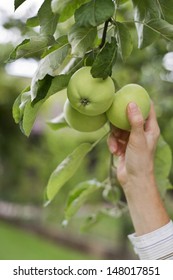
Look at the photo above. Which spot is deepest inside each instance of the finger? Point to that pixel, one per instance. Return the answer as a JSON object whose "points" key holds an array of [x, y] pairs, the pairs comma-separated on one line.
{"points": [[116, 131], [151, 124], [117, 146], [119, 134], [112, 144], [121, 147], [135, 118]]}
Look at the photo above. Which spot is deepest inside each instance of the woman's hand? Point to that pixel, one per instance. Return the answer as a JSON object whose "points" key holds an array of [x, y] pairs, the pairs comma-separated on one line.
{"points": [[135, 149], [135, 169]]}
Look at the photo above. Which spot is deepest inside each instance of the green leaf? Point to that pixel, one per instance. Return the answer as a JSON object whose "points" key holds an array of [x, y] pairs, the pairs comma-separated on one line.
{"points": [[166, 9], [58, 6], [49, 66], [79, 195], [162, 27], [48, 20], [29, 116], [122, 1], [90, 57], [30, 46], [66, 169], [42, 88], [17, 3], [21, 107], [163, 164], [16, 112], [55, 84], [124, 40], [31, 109], [94, 13], [66, 8], [60, 42], [44, 85], [52, 63], [32, 22], [16, 53], [58, 122], [144, 11], [102, 66], [81, 39], [25, 111], [19, 104], [58, 63], [58, 83]]}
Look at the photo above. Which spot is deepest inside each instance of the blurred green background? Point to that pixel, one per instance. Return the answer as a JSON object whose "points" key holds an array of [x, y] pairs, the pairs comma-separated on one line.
{"points": [[27, 229]]}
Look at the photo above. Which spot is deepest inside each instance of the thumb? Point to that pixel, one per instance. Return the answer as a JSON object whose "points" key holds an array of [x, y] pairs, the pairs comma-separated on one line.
{"points": [[135, 118]]}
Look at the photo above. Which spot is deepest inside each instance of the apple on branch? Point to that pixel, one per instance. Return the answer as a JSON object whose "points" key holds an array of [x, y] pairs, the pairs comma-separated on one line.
{"points": [[82, 122], [88, 95], [117, 113]]}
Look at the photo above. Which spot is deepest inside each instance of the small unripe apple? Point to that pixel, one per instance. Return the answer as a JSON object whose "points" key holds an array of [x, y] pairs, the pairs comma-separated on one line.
{"points": [[88, 95], [117, 113], [82, 122]]}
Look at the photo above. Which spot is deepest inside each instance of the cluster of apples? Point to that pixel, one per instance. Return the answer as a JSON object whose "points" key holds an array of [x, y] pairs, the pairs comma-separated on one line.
{"points": [[92, 102]]}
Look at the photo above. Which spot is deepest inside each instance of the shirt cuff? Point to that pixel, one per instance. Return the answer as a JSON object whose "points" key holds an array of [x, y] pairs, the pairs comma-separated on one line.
{"points": [[157, 244]]}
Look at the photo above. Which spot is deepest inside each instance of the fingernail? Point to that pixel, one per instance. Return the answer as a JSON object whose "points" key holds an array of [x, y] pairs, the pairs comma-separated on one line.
{"points": [[132, 107]]}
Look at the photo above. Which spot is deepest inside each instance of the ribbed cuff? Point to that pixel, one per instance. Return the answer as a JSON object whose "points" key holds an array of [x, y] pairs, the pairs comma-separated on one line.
{"points": [[157, 244]]}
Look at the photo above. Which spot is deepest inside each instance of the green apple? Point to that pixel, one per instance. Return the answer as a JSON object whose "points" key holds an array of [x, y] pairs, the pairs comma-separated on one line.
{"points": [[117, 113], [88, 95], [82, 122]]}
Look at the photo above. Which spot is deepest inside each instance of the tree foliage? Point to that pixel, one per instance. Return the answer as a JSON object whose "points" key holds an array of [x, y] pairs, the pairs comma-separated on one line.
{"points": [[74, 33]]}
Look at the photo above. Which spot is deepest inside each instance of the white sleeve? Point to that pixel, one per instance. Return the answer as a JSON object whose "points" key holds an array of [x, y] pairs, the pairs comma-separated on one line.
{"points": [[155, 245]]}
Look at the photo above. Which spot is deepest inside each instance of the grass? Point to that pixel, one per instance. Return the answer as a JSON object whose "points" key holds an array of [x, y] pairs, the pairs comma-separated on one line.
{"points": [[16, 244]]}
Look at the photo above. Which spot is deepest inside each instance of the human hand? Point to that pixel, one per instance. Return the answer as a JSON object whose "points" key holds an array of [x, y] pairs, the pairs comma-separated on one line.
{"points": [[135, 149], [135, 169]]}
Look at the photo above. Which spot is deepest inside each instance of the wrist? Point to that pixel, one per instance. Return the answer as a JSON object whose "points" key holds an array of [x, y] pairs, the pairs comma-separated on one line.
{"points": [[137, 185], [145, 205]]}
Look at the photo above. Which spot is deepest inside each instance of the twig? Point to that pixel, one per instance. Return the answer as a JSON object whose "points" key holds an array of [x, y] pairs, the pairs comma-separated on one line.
{"points": [[104, 33]]}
